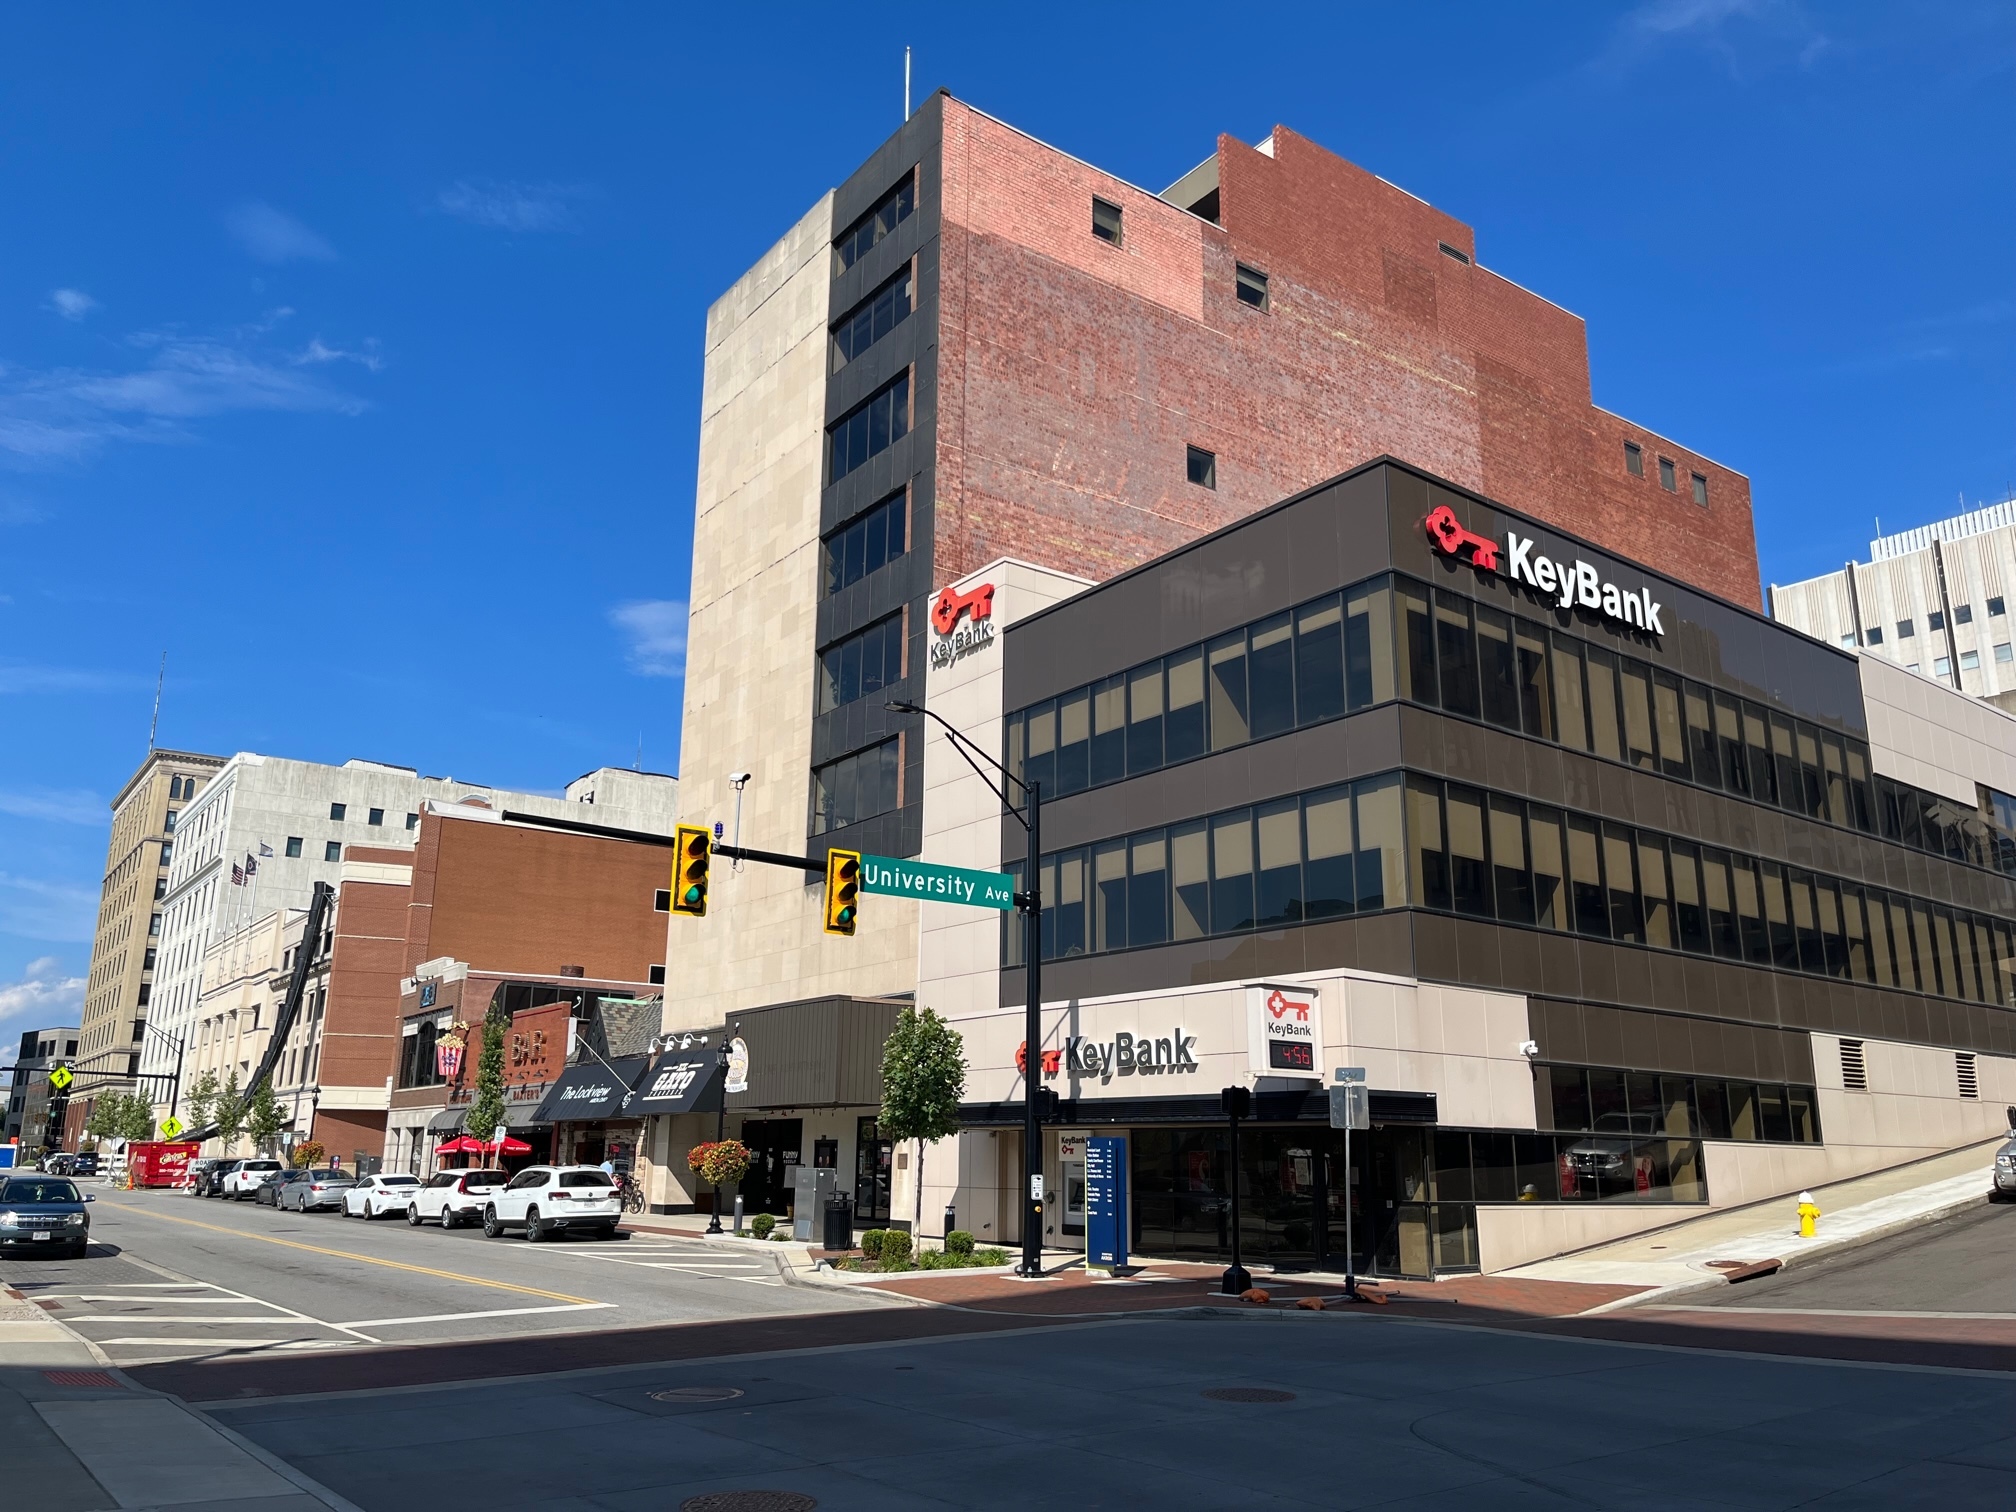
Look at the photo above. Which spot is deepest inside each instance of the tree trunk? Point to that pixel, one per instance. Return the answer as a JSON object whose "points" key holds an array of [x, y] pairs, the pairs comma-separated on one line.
{"points": [[917, 1223]]}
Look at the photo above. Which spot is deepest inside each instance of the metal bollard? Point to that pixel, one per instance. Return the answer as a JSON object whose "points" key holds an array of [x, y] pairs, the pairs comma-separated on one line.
{"points": [[738, 1215], [1809, 1215]]}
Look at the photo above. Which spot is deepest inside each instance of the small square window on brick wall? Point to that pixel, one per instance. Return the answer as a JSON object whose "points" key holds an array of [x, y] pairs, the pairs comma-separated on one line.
{"points": [[1202, 467]]}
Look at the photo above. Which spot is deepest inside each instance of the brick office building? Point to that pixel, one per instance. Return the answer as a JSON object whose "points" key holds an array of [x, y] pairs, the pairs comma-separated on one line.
{"points": [[979, 348], [480, 897]]}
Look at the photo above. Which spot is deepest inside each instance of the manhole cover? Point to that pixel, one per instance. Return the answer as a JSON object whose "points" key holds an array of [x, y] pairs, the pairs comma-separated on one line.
{"points": [[749, 1501], [697, 1394], [1249, 1394]]}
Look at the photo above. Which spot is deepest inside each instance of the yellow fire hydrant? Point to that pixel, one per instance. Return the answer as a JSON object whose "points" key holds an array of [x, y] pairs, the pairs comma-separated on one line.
{"points": [[1809, 1215]]}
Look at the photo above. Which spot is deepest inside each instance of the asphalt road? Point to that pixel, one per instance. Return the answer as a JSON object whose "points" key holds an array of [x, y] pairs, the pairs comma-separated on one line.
{"points": [[172, 1277], [1961, 1265]]}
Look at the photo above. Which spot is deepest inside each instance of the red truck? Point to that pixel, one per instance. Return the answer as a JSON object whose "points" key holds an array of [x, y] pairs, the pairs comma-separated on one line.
{"points": [[160, 1162]]}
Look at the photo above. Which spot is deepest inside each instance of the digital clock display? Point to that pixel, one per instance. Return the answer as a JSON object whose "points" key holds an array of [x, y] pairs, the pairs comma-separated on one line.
{"points": [[1291, 1055]]}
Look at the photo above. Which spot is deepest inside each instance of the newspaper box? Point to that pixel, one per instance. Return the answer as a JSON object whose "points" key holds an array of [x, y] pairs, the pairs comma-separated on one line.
{"points": [[160, 1162]]}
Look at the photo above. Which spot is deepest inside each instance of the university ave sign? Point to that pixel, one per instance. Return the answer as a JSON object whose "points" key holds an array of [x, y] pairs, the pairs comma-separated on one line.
{"points": [[1574, 585]]}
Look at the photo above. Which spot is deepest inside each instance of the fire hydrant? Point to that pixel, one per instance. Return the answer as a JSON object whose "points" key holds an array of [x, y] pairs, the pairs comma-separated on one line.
{"points": [[1809, 1215]]}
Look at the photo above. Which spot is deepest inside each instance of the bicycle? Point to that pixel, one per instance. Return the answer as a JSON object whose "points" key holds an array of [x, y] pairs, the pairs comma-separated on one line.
{"points": [[632, 1194]]}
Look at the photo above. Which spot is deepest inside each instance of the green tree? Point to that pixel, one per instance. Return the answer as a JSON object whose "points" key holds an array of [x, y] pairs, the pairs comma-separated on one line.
{"points": [[104, 1122], [923, 1078], [486, 1109], [229, 1112], [264, 1117], [201, 1099], [136, 1118]]}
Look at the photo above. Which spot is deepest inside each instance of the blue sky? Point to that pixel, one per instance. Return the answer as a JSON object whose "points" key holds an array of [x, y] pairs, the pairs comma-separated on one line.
{"points": [[352, 358]]}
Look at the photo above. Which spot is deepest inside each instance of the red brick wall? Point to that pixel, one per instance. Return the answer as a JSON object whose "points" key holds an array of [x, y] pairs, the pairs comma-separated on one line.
{"points": [[1074, 373], [360, 1025], [525, 902]]}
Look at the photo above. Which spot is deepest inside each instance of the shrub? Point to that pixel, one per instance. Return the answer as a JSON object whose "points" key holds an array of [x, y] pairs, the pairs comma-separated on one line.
{"points": [[761, 1225], [936, 1260], [958, 1242], [991, 1257], [895, 1246], [782, 1235], [871, 1243]]}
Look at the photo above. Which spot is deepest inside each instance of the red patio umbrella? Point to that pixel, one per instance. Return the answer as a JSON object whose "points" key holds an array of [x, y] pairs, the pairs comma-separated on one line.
{"points": [[468, 1144]]}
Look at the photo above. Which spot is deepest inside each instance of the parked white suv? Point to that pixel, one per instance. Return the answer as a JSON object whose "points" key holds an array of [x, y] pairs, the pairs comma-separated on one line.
{"points": [[375, 1196], [245, 1178], [545, 1200], [453, 1198]]}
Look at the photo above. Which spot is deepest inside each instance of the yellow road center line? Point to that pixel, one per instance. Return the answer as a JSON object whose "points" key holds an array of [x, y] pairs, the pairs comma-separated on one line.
{"points": [[316, 1249]]}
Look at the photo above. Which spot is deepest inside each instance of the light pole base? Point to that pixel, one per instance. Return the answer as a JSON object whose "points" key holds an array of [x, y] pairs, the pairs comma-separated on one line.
{"points": [[1238, 1281]]}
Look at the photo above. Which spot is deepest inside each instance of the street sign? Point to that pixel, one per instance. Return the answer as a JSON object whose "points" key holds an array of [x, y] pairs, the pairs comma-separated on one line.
{"points": [[172, 1127], [937, 884], [61, 1078], [1350, 1106], [1106, 1203]]}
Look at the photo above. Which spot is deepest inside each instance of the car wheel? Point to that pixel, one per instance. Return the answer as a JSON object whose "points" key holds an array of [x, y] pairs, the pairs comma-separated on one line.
{"points": [[448, 1218], [412, 1215], [492, 1229], [534, 1232]]}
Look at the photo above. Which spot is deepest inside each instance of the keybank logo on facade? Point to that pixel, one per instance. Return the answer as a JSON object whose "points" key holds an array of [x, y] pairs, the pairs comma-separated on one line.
{"points": [[976, 607], [1574, 585]]}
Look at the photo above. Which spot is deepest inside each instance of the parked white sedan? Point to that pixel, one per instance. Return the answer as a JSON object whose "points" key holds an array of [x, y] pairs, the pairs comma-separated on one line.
{"points": [[453, 1198], [375, 1196], [546, 1200], [244, 1177]]}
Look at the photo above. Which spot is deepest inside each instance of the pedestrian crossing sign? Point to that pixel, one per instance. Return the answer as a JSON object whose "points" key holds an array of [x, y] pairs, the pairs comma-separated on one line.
{"points": [[172, 1127], [61, 1078]]}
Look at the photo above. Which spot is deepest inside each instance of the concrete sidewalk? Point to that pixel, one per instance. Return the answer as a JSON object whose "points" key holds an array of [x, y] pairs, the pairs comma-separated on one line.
{"points": [[80, 1437], [1681, 1258]]}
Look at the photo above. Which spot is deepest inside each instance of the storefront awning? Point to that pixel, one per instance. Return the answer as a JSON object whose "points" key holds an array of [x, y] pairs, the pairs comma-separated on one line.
{"points": [[681, 1082], [593, 1091], [446, 1121]]}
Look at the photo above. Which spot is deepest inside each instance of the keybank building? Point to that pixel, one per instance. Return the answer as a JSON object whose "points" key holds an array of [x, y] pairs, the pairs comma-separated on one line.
{"points": [[1627, 899]]}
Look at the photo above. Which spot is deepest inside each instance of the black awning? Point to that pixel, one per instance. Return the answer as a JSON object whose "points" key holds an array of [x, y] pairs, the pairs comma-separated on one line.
{"points": [[680, 1082], [592, 1091], [447, 1120]]}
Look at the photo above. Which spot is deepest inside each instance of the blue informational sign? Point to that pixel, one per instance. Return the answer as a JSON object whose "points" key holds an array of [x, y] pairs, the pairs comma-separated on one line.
{"points": [[1106, 1203]]}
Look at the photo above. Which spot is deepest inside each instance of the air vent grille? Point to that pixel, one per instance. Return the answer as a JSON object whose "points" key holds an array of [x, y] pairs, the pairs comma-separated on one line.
{"points": [[1963, 1064], [1854, 1073]]}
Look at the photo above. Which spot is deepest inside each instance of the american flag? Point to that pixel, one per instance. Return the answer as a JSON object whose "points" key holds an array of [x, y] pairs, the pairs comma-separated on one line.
{"points": [[237, 875]]}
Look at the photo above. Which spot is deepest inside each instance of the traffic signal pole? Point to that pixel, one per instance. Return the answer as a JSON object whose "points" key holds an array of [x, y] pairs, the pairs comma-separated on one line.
{"points": [[1032, 1037]]}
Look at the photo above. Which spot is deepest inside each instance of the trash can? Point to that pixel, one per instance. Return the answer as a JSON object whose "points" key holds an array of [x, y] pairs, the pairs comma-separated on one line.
{"points": [[839, 1222]]}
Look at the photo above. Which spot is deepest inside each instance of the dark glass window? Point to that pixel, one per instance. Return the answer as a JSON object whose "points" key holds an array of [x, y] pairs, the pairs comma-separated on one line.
{"points": [[1536, 685], [1585, 878], [337, 811], [293, 845], [1635, 679], [1074, 741], [894, 208], [1252, 286], [1109, 896], [1106, 220], [1550, 889], [1270, 676], [1148, 889], [1430, 866], [871, 429], [1369, 668], [1109, 731], [1326, 827], [1570, 702], [1511, 881], [1905, 629], [1201, 466], [1874, 635], [1935, 621], [1626, 917], [1469, 866], [855, 787], [861, 665], [1634, 459], [872, 319], [1690, 909], [1456, 654], [1319, 661], [868, 541], [1415, 643], [1666, 478], [332, 850], [1232, 872], [1700, 489], [1144, 718], [1278, 837], [1601, 667], [1230, 707], [1497, 668], [1995, 606], [1963, 614], [1183, 729]]}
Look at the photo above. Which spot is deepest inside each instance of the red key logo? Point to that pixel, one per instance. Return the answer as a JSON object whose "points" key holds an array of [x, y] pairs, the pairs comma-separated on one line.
{"points": [[1449, 536], [947, 612]]}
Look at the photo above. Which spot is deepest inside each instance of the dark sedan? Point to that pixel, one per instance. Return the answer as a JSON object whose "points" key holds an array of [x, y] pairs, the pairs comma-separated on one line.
{"points": [[267, 1193], [43, 1214]]}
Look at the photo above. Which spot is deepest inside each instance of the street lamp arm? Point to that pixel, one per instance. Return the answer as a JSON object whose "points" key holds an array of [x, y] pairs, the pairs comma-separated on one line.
{"points": [[966, 748]]}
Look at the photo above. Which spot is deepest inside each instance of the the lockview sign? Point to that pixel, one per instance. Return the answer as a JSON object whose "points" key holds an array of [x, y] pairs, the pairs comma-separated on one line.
{"points": [[937, 884], [1572, 585]]}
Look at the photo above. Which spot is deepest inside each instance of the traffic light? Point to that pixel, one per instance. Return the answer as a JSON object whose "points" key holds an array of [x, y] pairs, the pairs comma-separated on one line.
{"points": [[695, 850], [843, 885]]}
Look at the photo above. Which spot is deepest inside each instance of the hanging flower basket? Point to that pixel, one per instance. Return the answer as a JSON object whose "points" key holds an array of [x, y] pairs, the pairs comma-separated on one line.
{"points": [[722, 1164]]}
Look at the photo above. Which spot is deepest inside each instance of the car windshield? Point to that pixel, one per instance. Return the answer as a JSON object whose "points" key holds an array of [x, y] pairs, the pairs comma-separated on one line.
{"points": [[585, 1179], [398, 1181], [39, 1191], [262, 1165], [326, 1175], [483, 1178]]}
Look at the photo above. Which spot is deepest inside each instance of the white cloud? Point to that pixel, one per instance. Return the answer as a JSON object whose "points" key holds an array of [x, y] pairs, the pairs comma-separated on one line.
{"points": [[71, 304], [657, 632], [58, 805], [1738, 32], [504, 206], [44, 998], [42, 910], [316, 351], [19, 677], [276, 237], [62, 413]]}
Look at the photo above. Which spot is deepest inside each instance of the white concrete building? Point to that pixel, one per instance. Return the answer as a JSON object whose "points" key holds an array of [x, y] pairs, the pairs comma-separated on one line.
{"points": [[1934, 600], [289, 821]]}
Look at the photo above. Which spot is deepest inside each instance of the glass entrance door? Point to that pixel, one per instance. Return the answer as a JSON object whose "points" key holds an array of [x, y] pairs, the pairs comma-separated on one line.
{"points": [[873, 1158]]}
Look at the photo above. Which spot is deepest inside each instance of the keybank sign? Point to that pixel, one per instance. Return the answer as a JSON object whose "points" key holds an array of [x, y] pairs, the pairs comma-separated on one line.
{"points": [[1573, 585]]}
